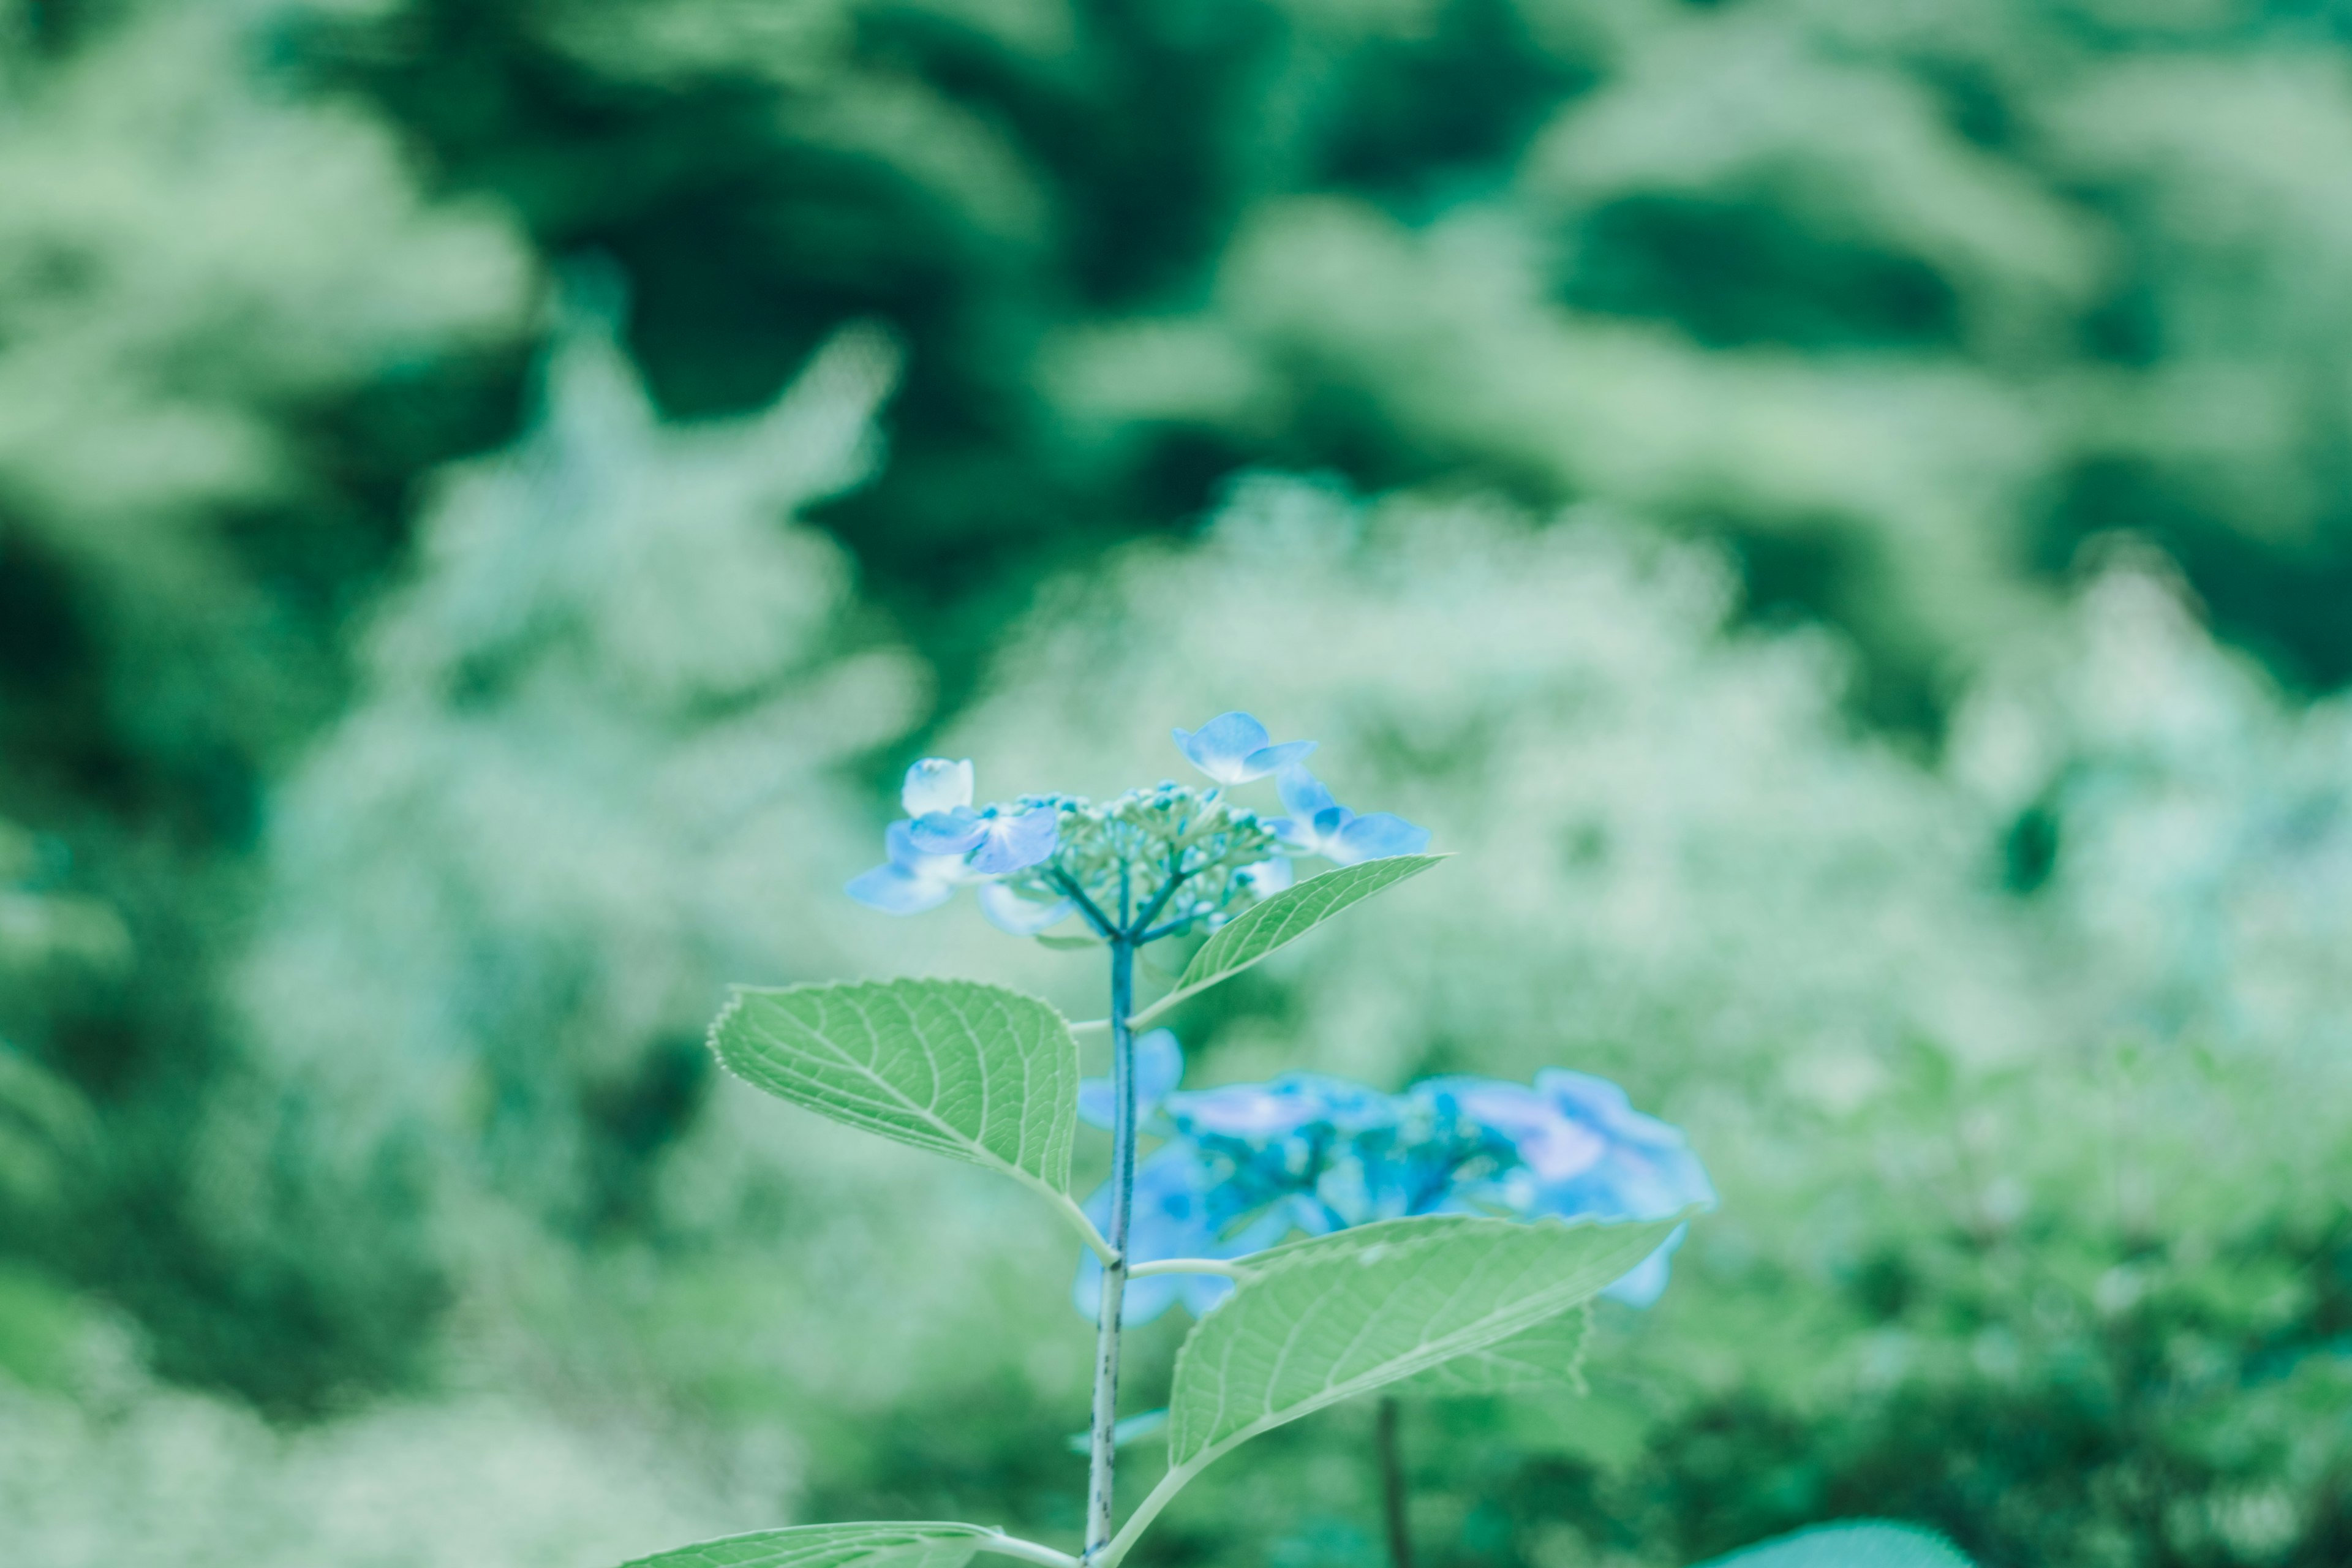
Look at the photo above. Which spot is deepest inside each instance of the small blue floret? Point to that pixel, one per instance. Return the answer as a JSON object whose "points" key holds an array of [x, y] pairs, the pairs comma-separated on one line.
{"points": [[1233, 749]]}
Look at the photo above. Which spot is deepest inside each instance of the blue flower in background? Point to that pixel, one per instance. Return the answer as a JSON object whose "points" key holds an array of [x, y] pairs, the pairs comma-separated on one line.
{"points": [[1246, 1165], [1581, 1149], [1182, 1210], [1159, 1068], [945, 843], [1319, 825], [1233, 749]]}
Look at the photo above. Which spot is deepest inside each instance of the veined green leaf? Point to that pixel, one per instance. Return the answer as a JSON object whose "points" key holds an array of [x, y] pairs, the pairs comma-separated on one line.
{"points": [[1325, 1318], [1317, 1321], [1283, 919], [1546, 1359], [928, 1545], [1862, 1544], [974, 1072]]}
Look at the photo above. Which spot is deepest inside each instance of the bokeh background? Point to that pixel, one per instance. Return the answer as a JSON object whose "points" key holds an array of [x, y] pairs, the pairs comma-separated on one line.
{"points": [[1838, 511]]}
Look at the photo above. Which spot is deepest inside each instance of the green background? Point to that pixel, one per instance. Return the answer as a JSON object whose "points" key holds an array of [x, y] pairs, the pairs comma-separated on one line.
{"points": [[1838, 512]]}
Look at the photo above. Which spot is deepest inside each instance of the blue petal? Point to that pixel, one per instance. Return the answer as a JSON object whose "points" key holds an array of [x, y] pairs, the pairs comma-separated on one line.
{"points": [[1256, 1112], [1232, 749], [1555, 1148], [1159, 1067], [1582, 1093], [1016, 843], [1273, 759], [936, 783], [1647, 1281], [1650, 1170], [1376, 838], [1098, 1106], [896, 891], [948, 832], [898, 840], [1022, 917], [1221, 747], [1303, 794]]}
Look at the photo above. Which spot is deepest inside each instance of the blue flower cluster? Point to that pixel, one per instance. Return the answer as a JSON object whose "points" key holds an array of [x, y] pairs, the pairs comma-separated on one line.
{"points": [[1188, 856], [1245, 1165]]}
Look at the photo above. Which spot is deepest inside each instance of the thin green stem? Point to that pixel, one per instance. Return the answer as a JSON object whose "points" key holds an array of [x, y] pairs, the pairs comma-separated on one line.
{"points": [[1069, 1210], [1087, 910], [1176, 878], [1028, 1550], [1104, 1450], [1149, 1509], [1183, 1266]]}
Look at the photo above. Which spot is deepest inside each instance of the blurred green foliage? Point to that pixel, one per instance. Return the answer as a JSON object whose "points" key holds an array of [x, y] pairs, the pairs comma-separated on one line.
{"points": [[1838, 512]]}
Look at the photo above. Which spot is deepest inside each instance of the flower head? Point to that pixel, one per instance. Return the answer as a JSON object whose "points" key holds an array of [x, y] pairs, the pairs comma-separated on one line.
{"points": [[1163, 860], [1186, 856], [1247, 1163]]}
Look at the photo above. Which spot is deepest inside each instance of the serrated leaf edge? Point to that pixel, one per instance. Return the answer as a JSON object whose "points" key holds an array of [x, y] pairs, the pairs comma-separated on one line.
{"points": [[987, 1158], [1180, 1474]]}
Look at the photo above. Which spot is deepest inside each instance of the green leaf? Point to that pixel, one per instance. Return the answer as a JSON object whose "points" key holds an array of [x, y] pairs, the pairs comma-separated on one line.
{"points": [[974, 1072], [1864, 1544], [1546, 1359], [1324, 1319], [1283, 919], [831, 1546], [1068, 943]]}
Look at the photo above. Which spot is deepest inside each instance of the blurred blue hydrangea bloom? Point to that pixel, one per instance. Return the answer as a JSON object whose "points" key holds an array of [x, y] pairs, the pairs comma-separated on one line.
{"points": [[1246, 1165]]}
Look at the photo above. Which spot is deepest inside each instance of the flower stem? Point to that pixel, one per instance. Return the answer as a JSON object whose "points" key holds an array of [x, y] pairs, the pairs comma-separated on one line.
{"points": [[1105, 1447]]}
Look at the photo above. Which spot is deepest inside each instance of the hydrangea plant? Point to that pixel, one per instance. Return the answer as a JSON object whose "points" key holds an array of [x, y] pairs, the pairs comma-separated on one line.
{"points": [[1329, 1240]]}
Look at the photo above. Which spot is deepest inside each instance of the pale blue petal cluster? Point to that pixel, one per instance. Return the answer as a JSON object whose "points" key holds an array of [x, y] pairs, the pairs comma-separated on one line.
{"points": [[944, 842], [1246, 1165]]}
